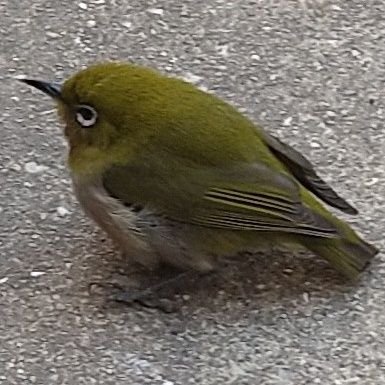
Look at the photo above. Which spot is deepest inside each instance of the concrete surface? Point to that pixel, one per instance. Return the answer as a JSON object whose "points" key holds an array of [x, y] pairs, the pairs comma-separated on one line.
{"points": [[311, 71]]}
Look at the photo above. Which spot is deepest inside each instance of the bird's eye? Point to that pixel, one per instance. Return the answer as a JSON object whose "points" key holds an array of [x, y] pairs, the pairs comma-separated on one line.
{"points": [[86, 116]]}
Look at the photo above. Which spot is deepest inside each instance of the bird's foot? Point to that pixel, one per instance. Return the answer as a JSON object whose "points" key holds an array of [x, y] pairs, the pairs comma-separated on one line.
{"points": [[148, 294]]}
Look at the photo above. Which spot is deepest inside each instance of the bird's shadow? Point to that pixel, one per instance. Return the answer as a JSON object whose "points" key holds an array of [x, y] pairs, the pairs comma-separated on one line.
{"points": [[255, 280]]}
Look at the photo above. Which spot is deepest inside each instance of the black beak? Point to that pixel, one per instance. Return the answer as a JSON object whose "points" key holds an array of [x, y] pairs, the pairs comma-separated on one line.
{"points": [[51, 89]]}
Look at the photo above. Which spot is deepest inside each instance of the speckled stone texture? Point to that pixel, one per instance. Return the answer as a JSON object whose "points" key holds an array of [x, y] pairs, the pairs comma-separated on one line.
{"points": [[312, 72]]}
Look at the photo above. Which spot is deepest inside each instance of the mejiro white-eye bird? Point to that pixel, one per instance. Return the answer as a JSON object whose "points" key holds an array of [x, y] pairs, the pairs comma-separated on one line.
{"points": [[175, 175]]}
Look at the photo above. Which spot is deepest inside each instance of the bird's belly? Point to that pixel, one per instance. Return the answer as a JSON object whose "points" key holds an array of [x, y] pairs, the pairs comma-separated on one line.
{"points": [[117, 220], [142, 236]]}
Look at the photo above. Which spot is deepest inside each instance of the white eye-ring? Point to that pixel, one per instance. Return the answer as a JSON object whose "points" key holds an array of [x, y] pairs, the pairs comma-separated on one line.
{"points": [[85, 115]]}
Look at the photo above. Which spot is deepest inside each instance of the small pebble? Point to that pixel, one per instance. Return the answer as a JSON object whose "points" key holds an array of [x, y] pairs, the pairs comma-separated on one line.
{"points": [[192, 78], [62, 211], [155, 11], [287, 121], [36, 274], [34, 168]]}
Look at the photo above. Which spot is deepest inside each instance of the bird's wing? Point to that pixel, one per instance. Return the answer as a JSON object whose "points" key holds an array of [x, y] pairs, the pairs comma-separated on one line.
{"points": [[247, 198], [303, 171], [248, 207]]}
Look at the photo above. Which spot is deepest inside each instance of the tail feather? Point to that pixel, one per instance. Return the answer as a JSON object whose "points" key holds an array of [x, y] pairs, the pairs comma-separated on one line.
{"points": [[347, 256]]}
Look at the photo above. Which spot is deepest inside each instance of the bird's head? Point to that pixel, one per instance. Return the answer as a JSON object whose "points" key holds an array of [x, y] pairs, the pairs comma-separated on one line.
{"points": [[106, 109]]}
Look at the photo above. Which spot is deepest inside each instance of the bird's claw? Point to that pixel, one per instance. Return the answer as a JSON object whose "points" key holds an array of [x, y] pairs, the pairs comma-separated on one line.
{"points": [[130, 297]]}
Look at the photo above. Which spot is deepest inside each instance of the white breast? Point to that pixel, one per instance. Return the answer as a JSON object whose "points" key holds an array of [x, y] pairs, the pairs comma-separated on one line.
{"points": [[145, 237], [117, 220]]}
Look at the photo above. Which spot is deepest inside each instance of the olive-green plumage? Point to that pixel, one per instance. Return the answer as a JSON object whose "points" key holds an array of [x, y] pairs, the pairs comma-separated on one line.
{"points": [[175, 174]]}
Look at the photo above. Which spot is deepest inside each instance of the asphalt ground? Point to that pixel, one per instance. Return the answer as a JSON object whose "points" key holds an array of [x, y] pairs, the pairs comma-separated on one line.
{"points": [[313, 73]]}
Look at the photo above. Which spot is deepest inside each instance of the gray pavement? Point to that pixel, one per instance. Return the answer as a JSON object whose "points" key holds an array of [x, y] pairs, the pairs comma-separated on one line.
{"points": [[313, 72]]}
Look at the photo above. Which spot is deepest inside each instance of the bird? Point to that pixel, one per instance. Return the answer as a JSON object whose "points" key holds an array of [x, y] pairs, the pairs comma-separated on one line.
{"points": [[177, 176]]}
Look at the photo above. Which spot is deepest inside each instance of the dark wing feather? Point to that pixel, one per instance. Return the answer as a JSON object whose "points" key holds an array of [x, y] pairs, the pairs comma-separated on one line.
{"points": [[303, 171], [248, 197], [244, 210]]}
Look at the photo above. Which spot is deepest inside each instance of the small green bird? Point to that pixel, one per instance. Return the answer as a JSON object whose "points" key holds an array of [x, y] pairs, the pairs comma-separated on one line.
{"points": [[176, 175]]}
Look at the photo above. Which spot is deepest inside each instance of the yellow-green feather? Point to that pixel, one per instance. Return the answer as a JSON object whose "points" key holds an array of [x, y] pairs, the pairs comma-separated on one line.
{"points": [[163, 143]]}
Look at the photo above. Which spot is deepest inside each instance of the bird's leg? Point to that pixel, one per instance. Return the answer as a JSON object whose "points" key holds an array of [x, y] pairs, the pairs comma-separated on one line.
{"points": [[149, 293], [144, 296]]}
